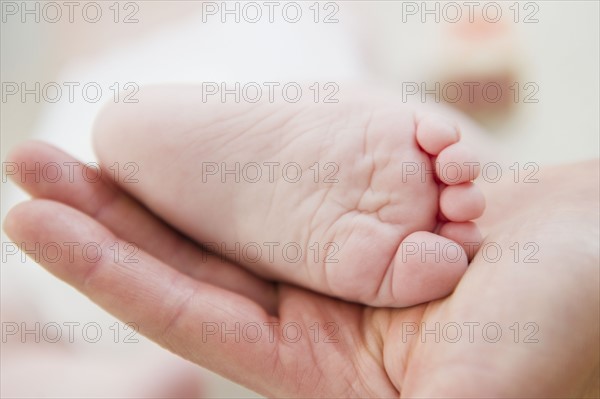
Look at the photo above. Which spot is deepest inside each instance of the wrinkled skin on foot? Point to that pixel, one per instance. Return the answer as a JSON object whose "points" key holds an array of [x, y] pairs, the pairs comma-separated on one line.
{"points": [[338, 198], [174, 298]]}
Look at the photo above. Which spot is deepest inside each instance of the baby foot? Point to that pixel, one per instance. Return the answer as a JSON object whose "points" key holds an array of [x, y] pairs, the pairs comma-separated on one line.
{"points": [[369, 202]]}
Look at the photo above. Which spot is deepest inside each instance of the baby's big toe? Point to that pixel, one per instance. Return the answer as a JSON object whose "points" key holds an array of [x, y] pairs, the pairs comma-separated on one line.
{"points": [[427, 267]]}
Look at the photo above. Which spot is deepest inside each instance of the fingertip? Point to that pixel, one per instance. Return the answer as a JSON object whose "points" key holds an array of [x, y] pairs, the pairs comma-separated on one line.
{"points": [[24, 226], [26, 162], [16, 219]]}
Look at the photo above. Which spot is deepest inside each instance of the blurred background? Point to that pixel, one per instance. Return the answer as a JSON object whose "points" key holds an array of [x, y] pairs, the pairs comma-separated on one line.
{"points": [[537, 61]]}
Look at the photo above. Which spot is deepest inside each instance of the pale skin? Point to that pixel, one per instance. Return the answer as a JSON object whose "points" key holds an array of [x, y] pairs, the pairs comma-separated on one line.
{"points": [[169, 293], [342, 199]]}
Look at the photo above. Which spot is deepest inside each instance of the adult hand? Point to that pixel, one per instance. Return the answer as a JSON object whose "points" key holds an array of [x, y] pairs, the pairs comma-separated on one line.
{"points": [[190, 302]]}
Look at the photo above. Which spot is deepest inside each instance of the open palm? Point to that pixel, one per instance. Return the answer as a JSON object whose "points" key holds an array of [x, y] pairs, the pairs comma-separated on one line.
{"points": [[511, 328]]}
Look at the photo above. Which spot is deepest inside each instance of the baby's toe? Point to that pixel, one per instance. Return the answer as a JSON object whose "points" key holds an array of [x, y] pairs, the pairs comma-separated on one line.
{"points": [[462, 202], [457, 164], [466, 234], [435, 133]]}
